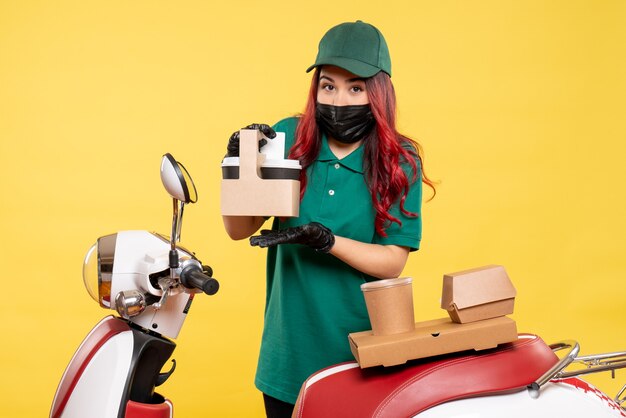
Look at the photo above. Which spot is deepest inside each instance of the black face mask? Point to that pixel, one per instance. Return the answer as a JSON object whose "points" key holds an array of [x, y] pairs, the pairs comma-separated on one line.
{"points": [[347, 124]]}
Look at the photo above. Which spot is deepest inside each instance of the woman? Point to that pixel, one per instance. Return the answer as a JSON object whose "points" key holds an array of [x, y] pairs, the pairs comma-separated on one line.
{"points": [[359, 213]]}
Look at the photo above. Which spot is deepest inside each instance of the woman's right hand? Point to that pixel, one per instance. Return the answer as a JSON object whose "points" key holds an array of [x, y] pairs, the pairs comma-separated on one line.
{"points": [[232, 150]]}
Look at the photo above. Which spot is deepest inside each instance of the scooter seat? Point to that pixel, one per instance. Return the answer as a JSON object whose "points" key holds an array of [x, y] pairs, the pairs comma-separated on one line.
{"points": [[347, 391]]}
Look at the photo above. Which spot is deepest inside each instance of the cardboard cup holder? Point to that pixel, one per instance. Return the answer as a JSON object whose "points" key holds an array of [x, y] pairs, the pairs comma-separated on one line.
{"points": [[256, 184], [390, 305]]}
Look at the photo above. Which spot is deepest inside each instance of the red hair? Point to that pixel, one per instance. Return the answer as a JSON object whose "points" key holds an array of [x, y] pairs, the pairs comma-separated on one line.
{"points": [[385, 150]]}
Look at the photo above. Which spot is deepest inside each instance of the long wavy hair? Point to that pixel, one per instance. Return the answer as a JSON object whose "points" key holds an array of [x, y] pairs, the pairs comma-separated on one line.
{"points": [[385, 150]]}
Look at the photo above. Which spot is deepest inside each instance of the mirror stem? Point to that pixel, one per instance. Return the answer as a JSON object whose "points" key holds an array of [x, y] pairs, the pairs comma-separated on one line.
{"points": [[180, 221], [174, 225], [173, 256]]}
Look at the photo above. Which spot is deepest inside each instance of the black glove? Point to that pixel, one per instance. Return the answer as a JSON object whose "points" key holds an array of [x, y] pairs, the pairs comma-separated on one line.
{"points": [[315, 235], [232, 150]]}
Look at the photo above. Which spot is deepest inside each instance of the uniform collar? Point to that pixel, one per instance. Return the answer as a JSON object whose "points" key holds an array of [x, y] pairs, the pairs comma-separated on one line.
{"points": [[353, 161]]}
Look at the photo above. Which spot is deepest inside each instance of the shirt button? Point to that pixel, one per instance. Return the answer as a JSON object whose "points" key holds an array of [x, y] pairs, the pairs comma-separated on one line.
{"points": [[337, 166], [331, 192]]}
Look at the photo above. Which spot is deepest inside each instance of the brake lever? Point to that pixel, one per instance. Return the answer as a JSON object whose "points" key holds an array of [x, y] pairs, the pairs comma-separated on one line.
{"points": [[165, 283]]}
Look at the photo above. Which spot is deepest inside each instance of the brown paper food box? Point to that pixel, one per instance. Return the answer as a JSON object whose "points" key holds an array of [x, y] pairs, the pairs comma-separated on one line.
{"points": [[482, 288], [250, 195], [430, 338], [477, 294]]}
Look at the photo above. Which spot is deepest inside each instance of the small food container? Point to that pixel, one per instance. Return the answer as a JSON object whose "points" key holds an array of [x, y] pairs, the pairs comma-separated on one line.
{"points": [[478, 294], [390, 305], [281, 170]]}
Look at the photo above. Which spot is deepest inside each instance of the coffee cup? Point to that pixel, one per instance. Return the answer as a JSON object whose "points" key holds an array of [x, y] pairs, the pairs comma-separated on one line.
{"points": [[390, 305], [281, 170], [230, 168]]}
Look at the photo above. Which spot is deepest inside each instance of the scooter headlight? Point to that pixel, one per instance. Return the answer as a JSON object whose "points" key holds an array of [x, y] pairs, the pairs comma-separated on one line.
{"points": [[130, 303], [98, 269]]}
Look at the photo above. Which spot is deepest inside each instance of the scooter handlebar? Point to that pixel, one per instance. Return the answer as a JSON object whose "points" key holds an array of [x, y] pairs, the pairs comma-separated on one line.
{"points": [[193, 278]]}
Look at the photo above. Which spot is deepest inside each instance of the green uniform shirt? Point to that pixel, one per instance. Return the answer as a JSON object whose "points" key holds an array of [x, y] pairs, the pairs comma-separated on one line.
{"points": [[314, 300]]}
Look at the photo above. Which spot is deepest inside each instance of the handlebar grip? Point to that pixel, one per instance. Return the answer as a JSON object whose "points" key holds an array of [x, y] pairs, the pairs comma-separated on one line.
{"points": [[193, 277]]}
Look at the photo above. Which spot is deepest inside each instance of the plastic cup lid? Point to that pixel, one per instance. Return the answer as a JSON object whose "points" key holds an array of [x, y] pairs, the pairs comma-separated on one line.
{"points": [[230, 161], [383, 284], [282, 164]]}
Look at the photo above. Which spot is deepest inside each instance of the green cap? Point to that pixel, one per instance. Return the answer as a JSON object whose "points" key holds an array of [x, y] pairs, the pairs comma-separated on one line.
{"points": [[354, 46]]}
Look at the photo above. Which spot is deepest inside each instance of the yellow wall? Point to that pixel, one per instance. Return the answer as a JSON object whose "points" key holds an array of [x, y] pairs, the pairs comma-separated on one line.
{"points": [[519, 106]]}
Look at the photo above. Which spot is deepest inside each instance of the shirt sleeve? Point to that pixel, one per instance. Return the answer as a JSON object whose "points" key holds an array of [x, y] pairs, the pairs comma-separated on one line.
{"points": [[409, 233]]}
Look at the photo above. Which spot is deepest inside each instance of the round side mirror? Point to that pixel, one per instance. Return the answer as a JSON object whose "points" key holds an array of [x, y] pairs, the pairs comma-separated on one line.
{"points": [[177, 180]]}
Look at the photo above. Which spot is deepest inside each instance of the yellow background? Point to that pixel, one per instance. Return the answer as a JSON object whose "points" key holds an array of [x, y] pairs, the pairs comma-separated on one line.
{"points": [[519, 105]]}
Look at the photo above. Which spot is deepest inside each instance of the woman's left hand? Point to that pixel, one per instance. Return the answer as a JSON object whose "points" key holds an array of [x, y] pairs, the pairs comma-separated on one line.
{"points": [[314, 235]]}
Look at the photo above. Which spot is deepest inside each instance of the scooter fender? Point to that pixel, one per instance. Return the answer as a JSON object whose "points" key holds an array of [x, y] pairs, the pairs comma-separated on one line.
{"points": [[101, 380]]}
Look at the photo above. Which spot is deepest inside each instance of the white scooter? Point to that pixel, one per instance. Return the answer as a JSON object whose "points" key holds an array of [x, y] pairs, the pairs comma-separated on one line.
{"points": [[150, 282]]}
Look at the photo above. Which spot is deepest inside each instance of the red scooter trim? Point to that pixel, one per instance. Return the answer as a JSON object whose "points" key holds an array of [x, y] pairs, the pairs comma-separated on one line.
{"points": [[144, 410]]}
